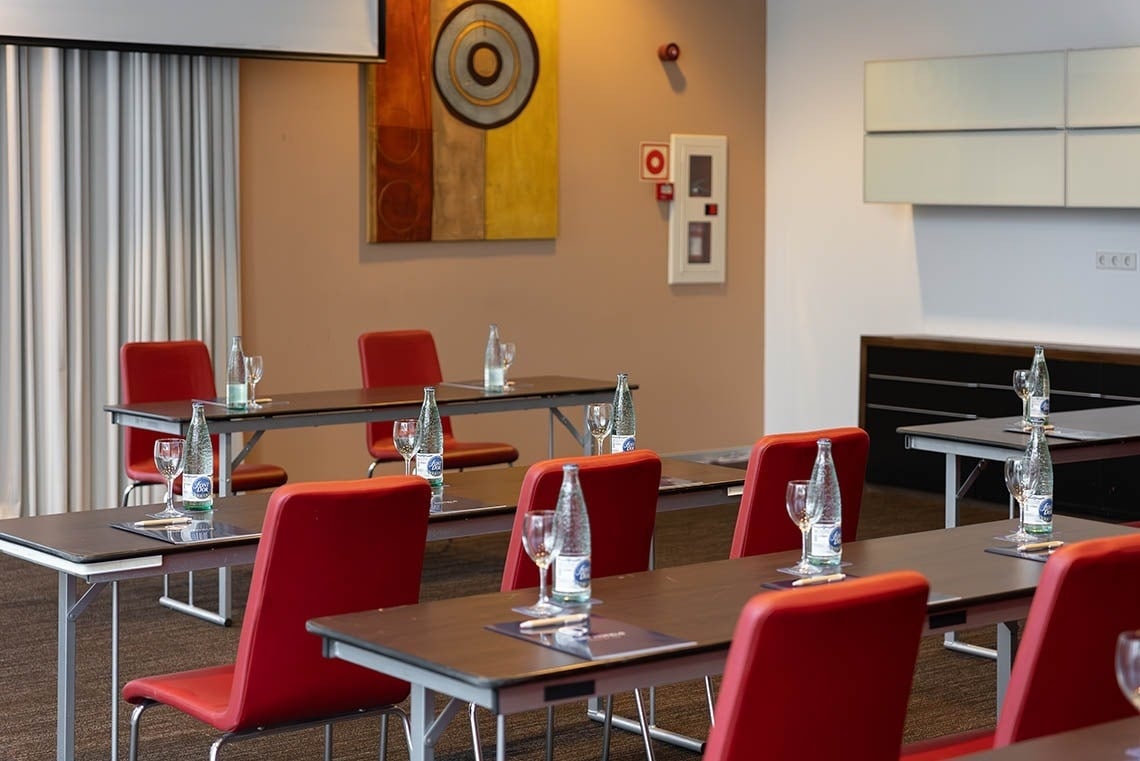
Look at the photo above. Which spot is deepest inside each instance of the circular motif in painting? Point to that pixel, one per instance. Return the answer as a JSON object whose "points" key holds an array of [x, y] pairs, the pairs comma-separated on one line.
{"points": [[485, 63]]}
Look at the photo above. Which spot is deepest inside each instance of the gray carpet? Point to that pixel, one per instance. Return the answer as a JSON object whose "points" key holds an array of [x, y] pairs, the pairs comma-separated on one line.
{"points": [[952, 692]]}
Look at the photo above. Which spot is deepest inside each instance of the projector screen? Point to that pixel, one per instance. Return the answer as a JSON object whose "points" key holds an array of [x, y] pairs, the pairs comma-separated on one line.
{"points": [[351, 30]]}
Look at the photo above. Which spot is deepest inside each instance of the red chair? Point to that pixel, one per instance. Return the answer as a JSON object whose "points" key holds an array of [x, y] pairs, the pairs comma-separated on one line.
{"points": [[843, 652], [621, 499], [160, 371], [1063, 677], [762, 524], [408, 358], [313, 560]]}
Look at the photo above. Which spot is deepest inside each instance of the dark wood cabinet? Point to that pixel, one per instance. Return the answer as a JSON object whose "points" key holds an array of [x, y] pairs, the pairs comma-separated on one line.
{"points": [[909, 380]]}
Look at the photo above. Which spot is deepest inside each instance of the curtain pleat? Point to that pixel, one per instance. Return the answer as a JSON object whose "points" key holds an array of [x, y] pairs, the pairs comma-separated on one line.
{"points": [[118, 221]]}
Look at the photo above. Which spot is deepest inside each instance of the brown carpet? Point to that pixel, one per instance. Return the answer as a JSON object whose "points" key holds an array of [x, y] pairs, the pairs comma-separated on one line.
{"points": [[952, 692]]}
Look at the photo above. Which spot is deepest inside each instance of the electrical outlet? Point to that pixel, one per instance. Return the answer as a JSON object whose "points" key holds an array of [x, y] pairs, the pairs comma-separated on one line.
{"points": [[1116, 260]]}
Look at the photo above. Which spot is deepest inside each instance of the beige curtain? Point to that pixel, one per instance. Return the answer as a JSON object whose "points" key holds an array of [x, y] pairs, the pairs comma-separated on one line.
{"points": [[118, 221]]}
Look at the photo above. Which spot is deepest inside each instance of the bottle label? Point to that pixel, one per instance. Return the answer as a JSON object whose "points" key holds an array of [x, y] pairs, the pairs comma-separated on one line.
{"points": [[197, 491], [1038, 511], [572, 577], [430, 466], [493, 378], [237, 395], [622, 443], [826, 542], [1038, 407]]}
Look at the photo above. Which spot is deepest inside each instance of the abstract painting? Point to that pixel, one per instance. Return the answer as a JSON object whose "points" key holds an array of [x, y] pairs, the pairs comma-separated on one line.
{"points": [[463, 122]]}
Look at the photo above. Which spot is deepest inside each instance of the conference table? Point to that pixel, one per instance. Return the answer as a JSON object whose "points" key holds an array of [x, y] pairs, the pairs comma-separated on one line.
{"points": [[1101, 433], [1078, 436], [458, 657], [1113, 740], [83, 546], [351, 406]]}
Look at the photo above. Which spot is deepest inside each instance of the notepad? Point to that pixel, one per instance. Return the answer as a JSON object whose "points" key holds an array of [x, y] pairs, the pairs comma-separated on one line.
{"points": [[1013, 552], [599, 639], [197, 532]]}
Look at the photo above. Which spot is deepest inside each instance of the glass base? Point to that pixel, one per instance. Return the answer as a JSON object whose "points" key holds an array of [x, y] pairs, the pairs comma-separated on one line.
{"points": [[540, 609], [802, 569], [169, 512], [1021, 536]]}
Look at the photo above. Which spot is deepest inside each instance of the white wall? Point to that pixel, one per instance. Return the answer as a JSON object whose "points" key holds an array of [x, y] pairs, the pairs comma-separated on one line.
{"points": [[837, 268]]}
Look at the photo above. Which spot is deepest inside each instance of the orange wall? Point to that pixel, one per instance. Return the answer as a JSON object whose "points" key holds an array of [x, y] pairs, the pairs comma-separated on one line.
{"points": [[591, 303]]}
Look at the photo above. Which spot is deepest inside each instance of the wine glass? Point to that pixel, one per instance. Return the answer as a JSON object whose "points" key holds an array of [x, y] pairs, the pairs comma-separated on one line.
{"points": [[253, 369], [600, 420], [1017, 480], [542, 541], [1128, 666], [406, 441], [169, 458], [803, 508], [508, 350], [1021, 387]]}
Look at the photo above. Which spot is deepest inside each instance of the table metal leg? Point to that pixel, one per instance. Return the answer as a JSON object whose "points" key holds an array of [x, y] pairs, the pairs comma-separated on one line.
{"points": [[953, 492], [65, 671], [114, 671], [1008, 636]]}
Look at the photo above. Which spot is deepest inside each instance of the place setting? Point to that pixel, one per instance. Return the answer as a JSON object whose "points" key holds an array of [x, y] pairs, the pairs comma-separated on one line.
{"points": [[1030, 486], [571, 627]]}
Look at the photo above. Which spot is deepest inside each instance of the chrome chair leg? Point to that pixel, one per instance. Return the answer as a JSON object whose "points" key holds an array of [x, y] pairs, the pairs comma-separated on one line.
{"points": [[372, 467], [476, 741], [607, 727], [550, 733], [644, 725], [383, 737], [136, 715], [328, 742], [711, 699]]}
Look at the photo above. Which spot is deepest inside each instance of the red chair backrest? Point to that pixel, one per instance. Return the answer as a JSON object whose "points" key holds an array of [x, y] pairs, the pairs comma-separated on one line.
{"points": [[621, 500], [826, 668], [398, 358], [762, 524], [326, 549], [161, 371], [1063, 676]]}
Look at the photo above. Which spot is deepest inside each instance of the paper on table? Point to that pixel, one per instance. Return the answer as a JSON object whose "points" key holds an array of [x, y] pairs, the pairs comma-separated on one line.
{"points": [[602, 639]]}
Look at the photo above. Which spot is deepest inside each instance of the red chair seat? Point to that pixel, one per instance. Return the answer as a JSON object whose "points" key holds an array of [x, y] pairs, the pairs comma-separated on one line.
{"points": [[246, 477], [201, 693], [456, 454]]}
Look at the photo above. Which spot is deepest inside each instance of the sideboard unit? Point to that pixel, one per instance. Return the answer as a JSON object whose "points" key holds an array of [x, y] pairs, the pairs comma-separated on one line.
{"points": [[910, 380]]}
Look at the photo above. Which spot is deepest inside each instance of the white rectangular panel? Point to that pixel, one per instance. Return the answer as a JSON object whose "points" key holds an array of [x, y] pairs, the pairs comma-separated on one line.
{"points": [[966, 168], [697, 217], [304, 28], [1013, 91], [1104, 168], [1104, 88]]}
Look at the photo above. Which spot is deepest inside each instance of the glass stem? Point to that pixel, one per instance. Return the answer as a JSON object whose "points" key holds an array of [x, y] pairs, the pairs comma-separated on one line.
{"points": [[542, 584], [804, 532]]}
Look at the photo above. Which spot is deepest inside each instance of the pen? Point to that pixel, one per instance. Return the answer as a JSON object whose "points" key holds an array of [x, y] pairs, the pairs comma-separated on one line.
{"points": [[1039, 546], [266, 400], [162, 522], [810, 580], [542, 623]]}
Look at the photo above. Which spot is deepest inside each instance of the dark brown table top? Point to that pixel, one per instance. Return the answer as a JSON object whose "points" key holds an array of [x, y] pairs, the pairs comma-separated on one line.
{"points": [[307, 403], [1118, 424], [698, 602], [1110, 740], [87, 536]]}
